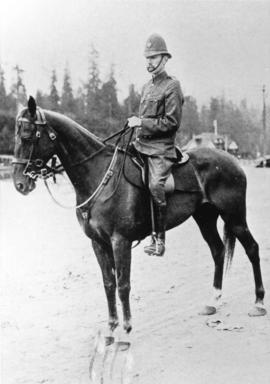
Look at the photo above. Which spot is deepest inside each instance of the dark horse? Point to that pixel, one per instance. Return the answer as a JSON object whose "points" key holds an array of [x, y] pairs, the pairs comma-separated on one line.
{"points": [[118, 213]]}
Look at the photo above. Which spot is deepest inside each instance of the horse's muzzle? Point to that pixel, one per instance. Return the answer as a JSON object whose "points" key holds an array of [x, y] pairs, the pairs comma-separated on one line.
{"points": [[25, 187], [23, 184]]}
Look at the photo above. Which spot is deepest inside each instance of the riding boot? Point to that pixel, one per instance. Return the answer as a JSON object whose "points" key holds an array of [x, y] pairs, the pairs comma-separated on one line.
{"points": [[157, 245], [160, 242]]}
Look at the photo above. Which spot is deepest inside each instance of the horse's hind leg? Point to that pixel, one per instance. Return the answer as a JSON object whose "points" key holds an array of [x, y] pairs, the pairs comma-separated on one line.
{"points": [[242, 233], [206, 218], [105, 259]]}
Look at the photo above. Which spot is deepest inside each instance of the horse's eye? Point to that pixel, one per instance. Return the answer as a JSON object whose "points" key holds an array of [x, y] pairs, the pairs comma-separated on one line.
{"points": [[27, 130]]}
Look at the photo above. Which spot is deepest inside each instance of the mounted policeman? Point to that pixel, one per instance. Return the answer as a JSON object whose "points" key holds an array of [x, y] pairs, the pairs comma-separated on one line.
{"points": [[159, 119]]}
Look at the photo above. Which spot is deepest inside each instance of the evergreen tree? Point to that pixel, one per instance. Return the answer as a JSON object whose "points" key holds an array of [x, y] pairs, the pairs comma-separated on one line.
{"points": [[3, 94], [239, 124], [6, 134], [110, 105], [190, 124], [214, 110], [248, 132], [268, 130], [80, 105], [93, 97], [7, 118], [53, 96], [42, 100], [204, 119], [67, 99], [111, 112], [18, 89], [132, 102]]}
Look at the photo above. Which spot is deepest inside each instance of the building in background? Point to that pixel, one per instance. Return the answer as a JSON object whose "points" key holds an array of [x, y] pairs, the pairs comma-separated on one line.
{"points": [[212, 140]]}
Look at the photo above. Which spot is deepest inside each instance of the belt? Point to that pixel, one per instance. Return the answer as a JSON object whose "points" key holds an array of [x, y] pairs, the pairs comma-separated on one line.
{"points": [[155, 137], [147, 137]]}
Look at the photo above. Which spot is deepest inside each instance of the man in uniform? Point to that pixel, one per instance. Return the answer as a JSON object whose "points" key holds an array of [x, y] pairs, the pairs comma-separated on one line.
{"points": [[159, 119]]}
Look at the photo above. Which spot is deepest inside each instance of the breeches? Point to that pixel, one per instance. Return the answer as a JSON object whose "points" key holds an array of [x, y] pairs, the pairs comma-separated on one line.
{"points": [[159, 169]]}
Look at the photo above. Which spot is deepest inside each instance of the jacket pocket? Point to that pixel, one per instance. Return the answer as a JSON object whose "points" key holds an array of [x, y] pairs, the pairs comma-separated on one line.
{"points": [[151, 107]]}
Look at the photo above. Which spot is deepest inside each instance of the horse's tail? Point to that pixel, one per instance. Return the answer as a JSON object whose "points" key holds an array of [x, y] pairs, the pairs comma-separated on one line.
{"points": [[229, 242]]}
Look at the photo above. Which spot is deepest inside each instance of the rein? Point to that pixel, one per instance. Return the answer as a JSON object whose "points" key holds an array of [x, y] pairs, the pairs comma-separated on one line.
{"points": [[97, 191], [108, 174], [124, 158], [87, 158]]}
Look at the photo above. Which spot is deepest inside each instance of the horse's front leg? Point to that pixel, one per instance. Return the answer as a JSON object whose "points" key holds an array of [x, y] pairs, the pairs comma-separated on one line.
{"points": [[122, 256], [105, 259]]}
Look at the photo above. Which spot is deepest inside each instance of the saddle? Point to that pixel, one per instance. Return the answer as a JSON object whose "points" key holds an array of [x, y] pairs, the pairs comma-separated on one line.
{"points": [[182, 178]]}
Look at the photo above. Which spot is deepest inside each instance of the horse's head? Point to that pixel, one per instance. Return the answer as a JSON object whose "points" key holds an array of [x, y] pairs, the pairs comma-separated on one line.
{"points": [[35, 144]]}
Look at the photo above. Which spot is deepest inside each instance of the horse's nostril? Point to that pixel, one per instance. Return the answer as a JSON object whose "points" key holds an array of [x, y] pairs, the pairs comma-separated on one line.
{"points": [[19, 186]]}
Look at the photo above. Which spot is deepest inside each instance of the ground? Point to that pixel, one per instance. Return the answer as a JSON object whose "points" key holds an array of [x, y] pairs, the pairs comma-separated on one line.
{"points": [[53, 304]]}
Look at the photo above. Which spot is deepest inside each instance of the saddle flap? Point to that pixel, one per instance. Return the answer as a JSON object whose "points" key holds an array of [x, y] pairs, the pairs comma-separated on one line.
{"points": [[183, 177]]}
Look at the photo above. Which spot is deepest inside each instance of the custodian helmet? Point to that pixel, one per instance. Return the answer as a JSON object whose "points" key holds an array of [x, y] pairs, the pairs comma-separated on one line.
{"points": [[155, 45]]}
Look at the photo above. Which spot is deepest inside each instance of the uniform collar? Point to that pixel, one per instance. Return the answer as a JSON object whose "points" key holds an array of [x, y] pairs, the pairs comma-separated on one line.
{"points": [[159, 77]]}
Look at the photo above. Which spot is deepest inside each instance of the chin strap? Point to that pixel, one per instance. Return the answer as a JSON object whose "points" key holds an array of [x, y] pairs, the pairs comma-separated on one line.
{"points": [[156, 67]]}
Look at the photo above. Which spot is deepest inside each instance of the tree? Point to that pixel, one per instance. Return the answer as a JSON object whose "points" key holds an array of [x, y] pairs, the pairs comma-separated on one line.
{"points": [[111, 113], [53, 96], [239, 124], [3, 94], [190, 124], [42, 100], [80, 105], [110, 105], [67, 99], [18, 89], [204, 119], [6, 134], [93, 96], [132, 102], [214, 108]]}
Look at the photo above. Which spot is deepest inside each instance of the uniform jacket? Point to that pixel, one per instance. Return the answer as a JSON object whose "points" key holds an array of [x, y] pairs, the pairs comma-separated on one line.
{"points": [[161, 112]]}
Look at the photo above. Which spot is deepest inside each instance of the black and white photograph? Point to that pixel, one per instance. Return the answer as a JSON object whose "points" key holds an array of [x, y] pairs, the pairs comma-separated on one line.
{"points": [[134, 191]]}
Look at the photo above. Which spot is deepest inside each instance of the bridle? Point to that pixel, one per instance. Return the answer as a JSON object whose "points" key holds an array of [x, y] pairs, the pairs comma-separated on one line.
{"points": [[38, 168], [35, 168]]}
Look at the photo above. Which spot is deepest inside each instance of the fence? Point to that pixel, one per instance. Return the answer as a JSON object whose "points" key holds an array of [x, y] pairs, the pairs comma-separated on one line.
{"points": [[5, 166]]}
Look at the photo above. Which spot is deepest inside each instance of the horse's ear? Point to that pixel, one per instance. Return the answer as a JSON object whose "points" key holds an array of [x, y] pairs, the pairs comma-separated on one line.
{"points": [[32, 106]]}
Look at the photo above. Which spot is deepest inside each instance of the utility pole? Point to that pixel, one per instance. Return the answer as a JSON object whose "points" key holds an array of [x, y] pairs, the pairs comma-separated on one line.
{"points": [[263, 123]]}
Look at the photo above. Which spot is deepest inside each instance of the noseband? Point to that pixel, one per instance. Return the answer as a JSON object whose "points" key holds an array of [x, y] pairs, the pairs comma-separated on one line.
{"points": [[35, 168]]}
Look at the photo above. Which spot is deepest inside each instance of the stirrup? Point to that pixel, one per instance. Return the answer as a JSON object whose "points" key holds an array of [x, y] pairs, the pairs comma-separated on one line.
{"points": [[156, 248], [160, 248], [149, 249]]}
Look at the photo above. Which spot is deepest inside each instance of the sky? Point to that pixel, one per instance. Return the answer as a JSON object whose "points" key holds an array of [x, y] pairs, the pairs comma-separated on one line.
{"points": [[219, 48]]}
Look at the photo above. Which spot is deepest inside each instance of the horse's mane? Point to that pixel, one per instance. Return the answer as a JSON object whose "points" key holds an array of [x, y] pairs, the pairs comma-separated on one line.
{"points": [[64, 124]]}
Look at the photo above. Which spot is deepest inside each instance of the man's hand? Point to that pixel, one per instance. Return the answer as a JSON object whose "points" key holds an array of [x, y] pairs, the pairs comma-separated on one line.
{"points": [[134, 121]]}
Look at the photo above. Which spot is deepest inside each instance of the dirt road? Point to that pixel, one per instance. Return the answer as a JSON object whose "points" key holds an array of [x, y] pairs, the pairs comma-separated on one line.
{"points": [[53, 304]]}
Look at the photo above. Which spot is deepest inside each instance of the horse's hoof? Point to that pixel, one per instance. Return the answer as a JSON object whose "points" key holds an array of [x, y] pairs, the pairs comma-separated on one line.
{"points": [[109, 340], [128, 329], [208, 310], [123, 345], [113, 324], [257, 311], [127, 326]]}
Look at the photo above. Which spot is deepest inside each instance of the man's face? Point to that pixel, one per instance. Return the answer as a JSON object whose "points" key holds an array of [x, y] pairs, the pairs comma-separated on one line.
{"points": [[155, 64]]}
